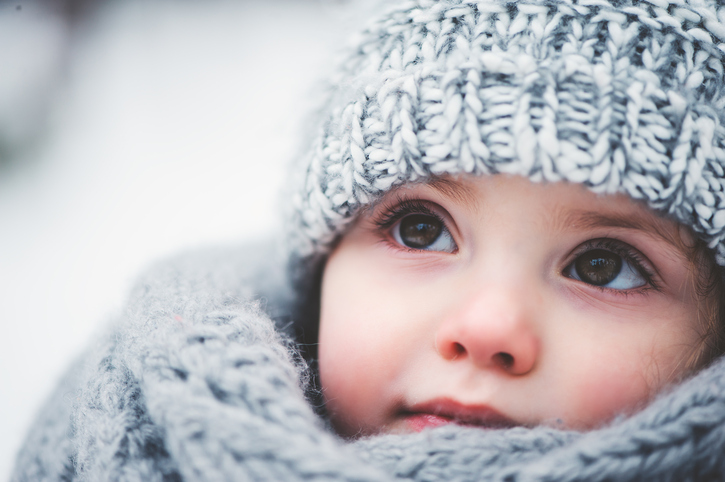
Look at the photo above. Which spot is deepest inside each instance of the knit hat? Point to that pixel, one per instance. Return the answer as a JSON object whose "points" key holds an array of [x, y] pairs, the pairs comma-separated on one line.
{"points": [[622, 96]]}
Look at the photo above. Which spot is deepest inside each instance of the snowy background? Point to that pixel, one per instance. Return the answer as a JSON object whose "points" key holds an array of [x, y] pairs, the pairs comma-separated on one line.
{"points": [[130, 131]]}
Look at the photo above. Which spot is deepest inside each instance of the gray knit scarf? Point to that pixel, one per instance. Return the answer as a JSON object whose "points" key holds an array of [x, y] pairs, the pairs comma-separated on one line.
{"points": [[196, 381]]}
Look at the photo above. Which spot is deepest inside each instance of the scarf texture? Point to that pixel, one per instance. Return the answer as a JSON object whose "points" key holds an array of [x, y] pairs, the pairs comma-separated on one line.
{"points": [[198, 382]]}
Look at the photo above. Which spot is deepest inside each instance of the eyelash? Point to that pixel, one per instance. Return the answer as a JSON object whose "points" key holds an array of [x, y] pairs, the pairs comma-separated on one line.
{"points": [[400, 208], [629, 254], [391, 214]]}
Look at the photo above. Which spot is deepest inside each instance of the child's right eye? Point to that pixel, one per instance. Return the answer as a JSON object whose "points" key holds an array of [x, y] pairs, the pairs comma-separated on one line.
{"points": [[424, 232]]}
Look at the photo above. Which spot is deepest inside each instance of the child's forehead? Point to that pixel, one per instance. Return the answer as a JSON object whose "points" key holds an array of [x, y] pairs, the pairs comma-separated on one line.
{"points": [[567, 205]]}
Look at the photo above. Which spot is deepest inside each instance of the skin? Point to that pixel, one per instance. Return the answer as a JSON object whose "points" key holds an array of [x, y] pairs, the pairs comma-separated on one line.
{"points": [[494, 325]]}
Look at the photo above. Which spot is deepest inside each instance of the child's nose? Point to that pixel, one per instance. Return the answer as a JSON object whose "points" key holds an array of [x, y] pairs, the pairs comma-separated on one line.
{"points": [[493, 330]]}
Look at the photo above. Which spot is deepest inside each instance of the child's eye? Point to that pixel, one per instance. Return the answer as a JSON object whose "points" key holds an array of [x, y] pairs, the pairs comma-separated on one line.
{"points": [[423, 231], [601, 267]]}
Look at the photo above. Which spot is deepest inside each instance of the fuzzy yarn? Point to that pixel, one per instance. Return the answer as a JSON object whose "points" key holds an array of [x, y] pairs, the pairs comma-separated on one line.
{"points": [[196, 382], [621, 96]]}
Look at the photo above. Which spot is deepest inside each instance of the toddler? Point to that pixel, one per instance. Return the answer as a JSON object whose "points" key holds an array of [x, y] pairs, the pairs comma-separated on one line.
{"points": [[499, 302], [505, 262]]}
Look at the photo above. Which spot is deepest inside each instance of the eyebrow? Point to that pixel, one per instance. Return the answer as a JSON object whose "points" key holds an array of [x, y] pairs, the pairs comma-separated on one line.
{"points": [[645, 222], [454, 190]]}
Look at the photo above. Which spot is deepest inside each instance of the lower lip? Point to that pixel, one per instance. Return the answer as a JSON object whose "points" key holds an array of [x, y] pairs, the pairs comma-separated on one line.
{"points": [[422, 421]]}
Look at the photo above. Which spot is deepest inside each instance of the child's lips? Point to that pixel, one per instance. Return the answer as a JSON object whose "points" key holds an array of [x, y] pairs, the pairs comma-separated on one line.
{"points": [[444, 411], [422, 421]]}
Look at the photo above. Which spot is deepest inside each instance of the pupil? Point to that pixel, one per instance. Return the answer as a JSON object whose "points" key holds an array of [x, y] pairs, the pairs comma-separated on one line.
{"points": [[419, 230], [598, 266]]}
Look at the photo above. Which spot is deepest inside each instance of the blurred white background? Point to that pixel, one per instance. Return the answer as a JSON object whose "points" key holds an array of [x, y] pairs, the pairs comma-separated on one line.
{"points": [[129, 131]]}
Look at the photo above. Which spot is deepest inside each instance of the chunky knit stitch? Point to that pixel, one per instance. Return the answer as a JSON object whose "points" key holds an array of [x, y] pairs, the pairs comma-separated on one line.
{"points": [[193, 383], [199, 378], [622, 96], [197, 382]]}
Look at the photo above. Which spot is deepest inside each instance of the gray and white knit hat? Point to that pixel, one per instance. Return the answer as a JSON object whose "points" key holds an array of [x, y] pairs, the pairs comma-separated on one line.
{"points": [[621, 95]]}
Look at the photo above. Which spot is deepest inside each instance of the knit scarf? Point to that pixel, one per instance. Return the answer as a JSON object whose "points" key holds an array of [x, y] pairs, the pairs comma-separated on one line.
{"points": [[197, 380]]}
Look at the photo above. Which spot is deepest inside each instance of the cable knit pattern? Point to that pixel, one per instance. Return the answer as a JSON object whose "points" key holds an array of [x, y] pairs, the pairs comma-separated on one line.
{"points": [[197, 383], [622, 96]]}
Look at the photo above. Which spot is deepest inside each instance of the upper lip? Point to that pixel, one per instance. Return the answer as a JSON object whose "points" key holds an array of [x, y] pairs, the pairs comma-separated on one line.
{"points": [[475, 414]]}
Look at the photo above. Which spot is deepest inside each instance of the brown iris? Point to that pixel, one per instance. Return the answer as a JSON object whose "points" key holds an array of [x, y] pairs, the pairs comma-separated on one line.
{"points": [[598, 266], [419, 230]]}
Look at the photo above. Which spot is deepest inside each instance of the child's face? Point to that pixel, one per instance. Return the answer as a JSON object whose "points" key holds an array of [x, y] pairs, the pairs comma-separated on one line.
{"points": [[494, 301]]}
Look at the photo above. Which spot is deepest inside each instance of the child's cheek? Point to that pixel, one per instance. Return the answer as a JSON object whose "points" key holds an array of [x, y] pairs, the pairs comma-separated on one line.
{"points": [[344, 375], [609, 394], [356, 370], [608, 379], [353, 355], [611, 359]]}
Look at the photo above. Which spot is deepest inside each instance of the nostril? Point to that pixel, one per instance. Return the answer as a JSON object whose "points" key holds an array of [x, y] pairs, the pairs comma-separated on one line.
{"points": [[458, 349], [505, 360]]}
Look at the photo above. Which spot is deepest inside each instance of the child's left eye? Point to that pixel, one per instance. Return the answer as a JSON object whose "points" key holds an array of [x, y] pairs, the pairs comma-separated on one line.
{"points": [[601, 267], [423, 231]]}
